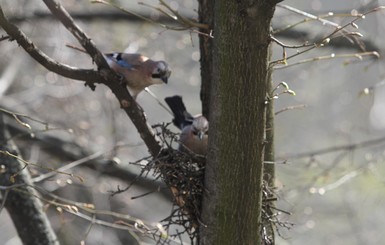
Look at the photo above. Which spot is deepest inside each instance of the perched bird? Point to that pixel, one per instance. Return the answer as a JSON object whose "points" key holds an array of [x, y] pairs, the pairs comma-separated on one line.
{"points": [[138, 70], [194, 135]]}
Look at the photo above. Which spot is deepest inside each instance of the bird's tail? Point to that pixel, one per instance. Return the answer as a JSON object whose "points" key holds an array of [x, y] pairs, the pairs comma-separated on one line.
{"points": [[181, 116]]}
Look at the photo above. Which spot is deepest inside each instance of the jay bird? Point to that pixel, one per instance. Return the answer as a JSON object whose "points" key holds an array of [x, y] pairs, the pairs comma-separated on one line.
{"points": [[194, 135], [138, 70]]}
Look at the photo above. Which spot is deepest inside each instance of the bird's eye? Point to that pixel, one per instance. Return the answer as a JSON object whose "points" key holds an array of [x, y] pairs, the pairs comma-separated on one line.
{"points": [[207, 133], [195, 132]]}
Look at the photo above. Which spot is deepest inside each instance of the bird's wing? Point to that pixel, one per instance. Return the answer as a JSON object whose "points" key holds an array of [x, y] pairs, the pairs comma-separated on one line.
{"points": [[125, 60]]}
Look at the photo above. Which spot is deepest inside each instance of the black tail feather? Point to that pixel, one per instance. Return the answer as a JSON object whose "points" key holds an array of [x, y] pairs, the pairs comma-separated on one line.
{"points": [[181, 116]]}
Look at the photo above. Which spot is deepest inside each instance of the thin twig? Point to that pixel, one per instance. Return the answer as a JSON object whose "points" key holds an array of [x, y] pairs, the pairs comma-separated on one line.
{"points": [[17, 115], [326, 39], [328, 150], [157, 100], [185, 24], [2, 38], [358, 56], [67, 167], [294, 107], [27, 163]]}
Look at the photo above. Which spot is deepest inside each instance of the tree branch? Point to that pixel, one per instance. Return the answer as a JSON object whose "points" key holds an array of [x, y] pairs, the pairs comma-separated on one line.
{"points": [[105, 75], [70, 151], [348, 147], [64, 70], [112, 80], [59, 12]]}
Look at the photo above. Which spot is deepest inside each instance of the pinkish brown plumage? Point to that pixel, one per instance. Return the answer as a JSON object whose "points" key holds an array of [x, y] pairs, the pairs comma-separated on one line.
{"points": [[194, 135], [138, 70]]}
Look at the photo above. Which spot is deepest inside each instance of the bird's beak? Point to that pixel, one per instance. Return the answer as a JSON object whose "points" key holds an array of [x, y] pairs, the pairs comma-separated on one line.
{"points": [[201, 135], [166, 76]]}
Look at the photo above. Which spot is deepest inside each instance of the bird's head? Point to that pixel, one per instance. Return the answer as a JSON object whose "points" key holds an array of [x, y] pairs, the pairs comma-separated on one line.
{"points": [[200, 127], [161, 72]]}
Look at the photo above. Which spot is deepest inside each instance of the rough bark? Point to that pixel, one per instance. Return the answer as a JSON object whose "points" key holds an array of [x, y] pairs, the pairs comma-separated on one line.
{"points": [[232, 203], [269, 166], [206, 16], [21, 200], [269, 171]]}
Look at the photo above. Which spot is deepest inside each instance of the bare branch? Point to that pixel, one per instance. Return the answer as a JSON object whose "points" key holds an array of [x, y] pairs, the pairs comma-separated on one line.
{"points": [[352, 36], [183, 22], [59, 12], [64, 70], [290, 108], [105, 75], [2, 38], [347, 147], [358, 56], [308, 18], [112, 80]]}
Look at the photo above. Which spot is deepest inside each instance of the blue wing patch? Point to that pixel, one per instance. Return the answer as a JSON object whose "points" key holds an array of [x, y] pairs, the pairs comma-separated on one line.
{"points": [[124, 64], [117, 57]]}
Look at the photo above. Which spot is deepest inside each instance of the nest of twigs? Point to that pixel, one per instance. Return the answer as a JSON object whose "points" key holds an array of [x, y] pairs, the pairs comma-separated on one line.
{"points": [[183, 173]]}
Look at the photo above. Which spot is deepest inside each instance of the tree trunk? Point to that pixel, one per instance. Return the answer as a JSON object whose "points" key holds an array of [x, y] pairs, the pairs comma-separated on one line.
{"points": [[206, 15], [233, 180], [269, 166], [21, 200]]}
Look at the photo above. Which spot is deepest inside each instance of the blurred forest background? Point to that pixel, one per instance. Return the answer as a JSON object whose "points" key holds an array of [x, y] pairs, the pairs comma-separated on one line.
{"points": [[332, 181]]}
